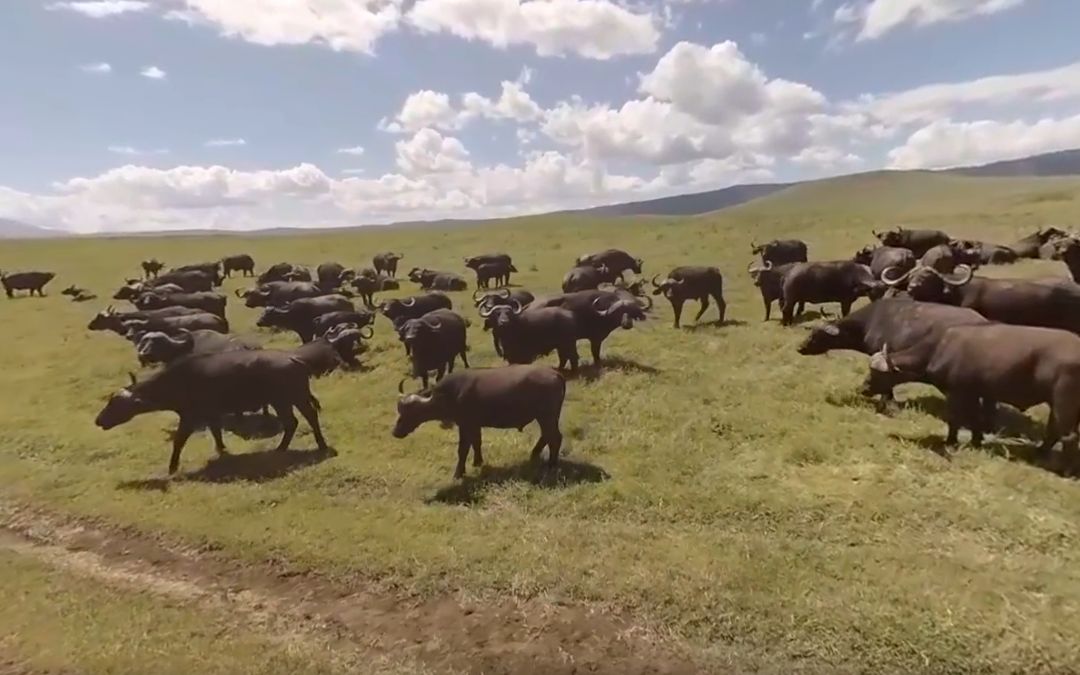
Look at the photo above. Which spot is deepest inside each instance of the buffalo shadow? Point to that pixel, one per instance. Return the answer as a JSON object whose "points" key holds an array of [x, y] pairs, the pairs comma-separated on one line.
{"points": [[590, 372], [716, 323], [1008, 421], [1024, 453], [469, 491], [261, 466]]}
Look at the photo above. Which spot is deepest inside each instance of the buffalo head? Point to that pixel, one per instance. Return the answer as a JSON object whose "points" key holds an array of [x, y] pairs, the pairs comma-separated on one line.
{"points": [[418, 408], [926, 283], [414, 329], [123, 406], [129, 291], [274, 317], [150, 301], [667, 287], [485, 298], [755, 271], [828, 336], [865, 255], [158, 347], [626, 310], [890, 237]]}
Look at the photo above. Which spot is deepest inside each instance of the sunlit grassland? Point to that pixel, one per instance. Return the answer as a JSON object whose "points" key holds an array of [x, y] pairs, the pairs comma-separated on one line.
{"points": [[720, 486]]}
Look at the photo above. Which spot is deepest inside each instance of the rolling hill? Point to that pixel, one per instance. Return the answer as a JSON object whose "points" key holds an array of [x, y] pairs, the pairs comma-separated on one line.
{"points": [[13, 229]]}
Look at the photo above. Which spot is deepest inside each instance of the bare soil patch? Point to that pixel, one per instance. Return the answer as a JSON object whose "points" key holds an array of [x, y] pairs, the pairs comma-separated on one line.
{"points": [[520, 637]]}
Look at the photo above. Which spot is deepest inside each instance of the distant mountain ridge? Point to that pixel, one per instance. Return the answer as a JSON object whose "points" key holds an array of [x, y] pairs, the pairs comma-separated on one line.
{"points": [[1061, 163]]}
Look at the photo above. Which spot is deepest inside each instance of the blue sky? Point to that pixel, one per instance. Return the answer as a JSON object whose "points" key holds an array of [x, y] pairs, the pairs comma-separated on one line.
{"points": [[238, 114]]}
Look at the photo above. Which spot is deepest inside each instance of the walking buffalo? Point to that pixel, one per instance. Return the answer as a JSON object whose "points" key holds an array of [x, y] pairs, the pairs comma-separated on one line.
{"points": [[242, 263], [692, 283], [387, 262], [34, 282]]}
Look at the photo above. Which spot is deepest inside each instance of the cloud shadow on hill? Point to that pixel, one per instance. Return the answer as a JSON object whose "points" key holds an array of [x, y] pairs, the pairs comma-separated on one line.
{"points": [[260, 466], [469, 491]]}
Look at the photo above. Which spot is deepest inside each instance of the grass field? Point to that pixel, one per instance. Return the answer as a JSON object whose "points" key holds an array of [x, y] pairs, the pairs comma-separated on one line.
{"points": [[727, 506]]}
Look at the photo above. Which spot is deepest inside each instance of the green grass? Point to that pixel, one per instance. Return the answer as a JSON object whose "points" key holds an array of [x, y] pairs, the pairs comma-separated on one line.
{"points": [[752, 508]]}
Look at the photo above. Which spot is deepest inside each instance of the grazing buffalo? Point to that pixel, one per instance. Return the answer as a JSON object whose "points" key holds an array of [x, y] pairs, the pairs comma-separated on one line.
{"points": [[369, 282], [900, 322], [34, 282], [1028, 247], [280, 293], [502, 296], [770, 282], [841, 281], [475, 261], [78, 294], [151, 267], [361, 319], [587, 278], [880, 258], [435, 341], [598, 313], [387, 262], [433, 280], [213, 303], [507, 397], [499, 272], [110, 319], [1050, 302], [333, 275], [157, 347], [204, 388], [242, 263], [918, 241], [299, 315], [173, 325], [692, 282], [615, 260], [1022, 366], [780, 251], [526, 336]]}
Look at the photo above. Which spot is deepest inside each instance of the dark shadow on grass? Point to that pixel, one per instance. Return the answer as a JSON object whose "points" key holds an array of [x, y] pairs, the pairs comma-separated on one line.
{"points": [[253, 467], [591, 372], [470, 490], [1008, 421], [1024, 452], [694, 327]]}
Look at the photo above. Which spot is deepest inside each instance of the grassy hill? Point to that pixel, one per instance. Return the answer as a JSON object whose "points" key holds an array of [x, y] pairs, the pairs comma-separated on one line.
{"points": [[726, 506]]}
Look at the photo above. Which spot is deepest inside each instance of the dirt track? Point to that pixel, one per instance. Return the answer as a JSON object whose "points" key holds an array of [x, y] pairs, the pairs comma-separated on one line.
{"points": [[309, 613]]}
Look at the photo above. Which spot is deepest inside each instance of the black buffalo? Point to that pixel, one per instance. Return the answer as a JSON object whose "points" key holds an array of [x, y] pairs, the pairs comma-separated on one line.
{"points": [[333, 275], [769, 279], [362, 319], [881, 258], [112, 320], [503, 296], [842, 281], [1029, 246], [280, 293], [151, 267], [524, 336], [387, 262], [400, 310], [157, 347], [587, 278], [242, 263], [615, 260], [780, 251], [507, 397], [34, 282], [299, 315], [918, 241], [692, 282], [213, 303], [598, 313], [435, 340]]}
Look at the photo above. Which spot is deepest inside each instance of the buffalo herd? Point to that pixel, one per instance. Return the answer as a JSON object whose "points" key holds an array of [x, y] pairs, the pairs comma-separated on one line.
{"points": [[930, 318]]}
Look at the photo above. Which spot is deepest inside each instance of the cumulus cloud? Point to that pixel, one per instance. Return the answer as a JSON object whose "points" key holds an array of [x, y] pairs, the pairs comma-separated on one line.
{"points": [[96, 68], [945, 144]]}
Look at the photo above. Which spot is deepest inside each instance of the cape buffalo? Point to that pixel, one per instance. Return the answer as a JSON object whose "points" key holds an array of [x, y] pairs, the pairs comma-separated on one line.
{"points": [[324, 322], [498, 271], [203, 388], [280, 293], [780, 251], [157, 347], [507, 397], [502, 296], [587, 278], [151, 267], [242, 263], [213, 303], [34, 282], [400, 310], [918, 241], [276, 272], [615, 260], [299, 315], [841, 281], [190, 281], [526, 336], [174, 324], [598, 313], [333, 275], [78, 294], [435, 340], [770, 282], [692, 283], [1028, 247], [880, 258], [1022, 366], [387, 262], [210, 269], [369, 282]]}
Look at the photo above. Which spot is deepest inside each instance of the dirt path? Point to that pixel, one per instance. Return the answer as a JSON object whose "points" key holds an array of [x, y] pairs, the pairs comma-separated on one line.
{"points": [[493, 638]]}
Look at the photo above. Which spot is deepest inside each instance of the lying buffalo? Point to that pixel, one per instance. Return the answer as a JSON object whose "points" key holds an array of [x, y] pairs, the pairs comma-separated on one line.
{"points": [[918, 241], [780, 251]]}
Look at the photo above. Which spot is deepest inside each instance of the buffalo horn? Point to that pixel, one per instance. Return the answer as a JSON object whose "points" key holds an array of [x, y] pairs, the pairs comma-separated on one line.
{"points": [[408, 302]]}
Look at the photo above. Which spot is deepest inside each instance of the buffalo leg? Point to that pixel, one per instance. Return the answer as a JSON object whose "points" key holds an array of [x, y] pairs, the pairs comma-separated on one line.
{"points": [[215, 431], [704, 300], [721, 306], [989, 414], [498, 347], [477, 453], [594, 345], [768, 308], [311, 416], [465, 442], [1052, 434], [184, 429], [465, 359], [676, 306], [845, 308], [288, 425]]}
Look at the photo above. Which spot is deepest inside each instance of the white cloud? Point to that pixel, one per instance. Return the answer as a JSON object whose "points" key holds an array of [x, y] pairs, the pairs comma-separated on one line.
{"points": [[99, 9], [96, 68], [341, 25], [595, 29], [225, 142], [355, 150], [429, 109], [876, 18], [946, 144], [153, 73]]}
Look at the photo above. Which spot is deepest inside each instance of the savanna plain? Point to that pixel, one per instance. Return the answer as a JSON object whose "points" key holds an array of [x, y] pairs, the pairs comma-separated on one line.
{"points": [[725, 505]]}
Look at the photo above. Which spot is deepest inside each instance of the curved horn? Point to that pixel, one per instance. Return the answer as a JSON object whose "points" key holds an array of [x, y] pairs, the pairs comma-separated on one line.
{"points": [[408, 302], [648, 302], [401, 386], [487, 310], [656, 285], [888, 281], [437, 326], [517, 307], [961, 275], [478, 296], [370, 332]]}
